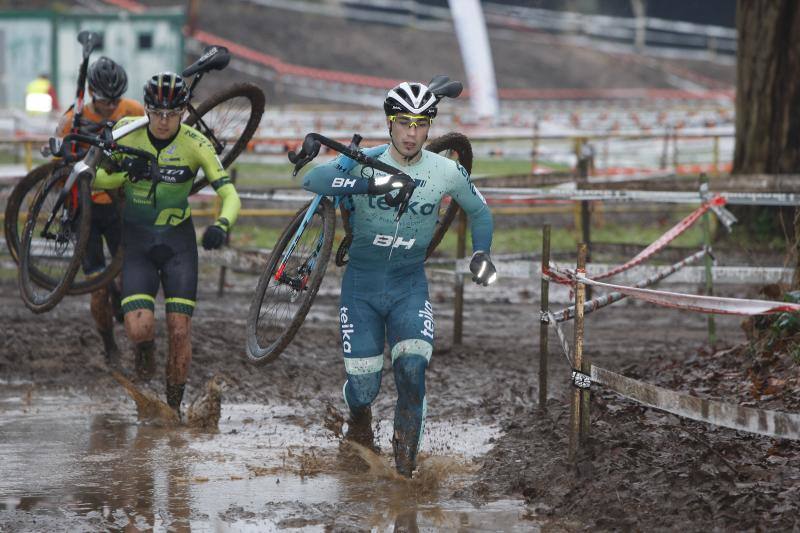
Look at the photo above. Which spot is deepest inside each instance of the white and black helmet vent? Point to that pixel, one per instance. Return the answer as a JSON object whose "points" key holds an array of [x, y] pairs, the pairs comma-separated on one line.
{"points": [[412, 98]]}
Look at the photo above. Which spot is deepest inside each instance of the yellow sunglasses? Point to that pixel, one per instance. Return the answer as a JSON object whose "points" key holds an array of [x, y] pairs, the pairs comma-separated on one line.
{"points": [[411, 121]]}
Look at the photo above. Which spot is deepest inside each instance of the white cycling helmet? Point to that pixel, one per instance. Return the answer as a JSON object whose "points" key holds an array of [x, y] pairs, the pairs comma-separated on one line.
{"points": [[412, 98]]}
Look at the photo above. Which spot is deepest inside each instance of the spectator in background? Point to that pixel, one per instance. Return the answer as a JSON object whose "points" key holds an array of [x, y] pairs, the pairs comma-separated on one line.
{"points": [[40, 96]]}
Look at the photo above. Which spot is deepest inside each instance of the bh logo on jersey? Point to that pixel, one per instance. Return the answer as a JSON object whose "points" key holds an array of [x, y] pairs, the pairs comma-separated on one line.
{"points": [[428, 324], [343, 182], [347, 330], [389, 240]]}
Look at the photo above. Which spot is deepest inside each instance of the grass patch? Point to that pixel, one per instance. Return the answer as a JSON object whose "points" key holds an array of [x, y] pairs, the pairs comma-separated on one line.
{"points": [[7, 158], [279, 175], [517, 240], [529, 240], [500, 167], [265, 176]]}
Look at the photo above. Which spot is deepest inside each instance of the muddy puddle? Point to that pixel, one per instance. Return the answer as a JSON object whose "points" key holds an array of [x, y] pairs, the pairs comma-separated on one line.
{"points": [[75, 462]]}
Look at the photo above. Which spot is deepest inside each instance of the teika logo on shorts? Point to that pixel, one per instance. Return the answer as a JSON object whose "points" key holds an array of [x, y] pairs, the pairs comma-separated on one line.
{"points": [[347, 330], [428, 323]]}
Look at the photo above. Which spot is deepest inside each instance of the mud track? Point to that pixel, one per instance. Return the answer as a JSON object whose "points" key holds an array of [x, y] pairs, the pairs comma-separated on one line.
{"points": [[642, 470]]}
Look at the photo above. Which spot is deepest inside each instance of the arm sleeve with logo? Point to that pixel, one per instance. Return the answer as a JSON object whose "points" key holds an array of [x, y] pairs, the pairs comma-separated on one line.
{"points": [[105, 180], [334, 178], [474, 204], [219, 180]]}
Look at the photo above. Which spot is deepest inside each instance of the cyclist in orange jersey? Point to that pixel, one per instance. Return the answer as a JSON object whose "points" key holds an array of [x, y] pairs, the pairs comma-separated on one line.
{"points": [[107, 83]]}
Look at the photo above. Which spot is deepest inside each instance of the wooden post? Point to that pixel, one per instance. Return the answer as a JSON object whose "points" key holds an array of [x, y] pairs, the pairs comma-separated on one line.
{"points": [[191, 17], [576, 415], [675, 150], [458, 311], [712, 327], [28, 155], [585, 157], [223, 270], [716, 156], [535, 146], [543, 324]]}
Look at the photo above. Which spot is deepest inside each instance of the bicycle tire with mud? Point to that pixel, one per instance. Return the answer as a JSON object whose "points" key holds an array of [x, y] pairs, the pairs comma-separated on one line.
{"points": [[26, 281], [257, 103], [260, 354], [27, 185]]}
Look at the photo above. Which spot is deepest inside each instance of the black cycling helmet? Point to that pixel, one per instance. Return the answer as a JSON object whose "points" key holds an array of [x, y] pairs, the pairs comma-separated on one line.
{"points": [[107, 79], [412, 98], [166, 90]]}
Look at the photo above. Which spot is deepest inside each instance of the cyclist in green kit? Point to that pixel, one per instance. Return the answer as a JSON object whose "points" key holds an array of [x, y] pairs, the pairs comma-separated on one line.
{"points": [[385, 291], [158, 233]]}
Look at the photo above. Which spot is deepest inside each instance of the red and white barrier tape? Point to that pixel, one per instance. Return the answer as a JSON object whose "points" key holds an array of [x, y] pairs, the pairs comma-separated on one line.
{"points": [[665, 239], [698, 303], [565, 276]]}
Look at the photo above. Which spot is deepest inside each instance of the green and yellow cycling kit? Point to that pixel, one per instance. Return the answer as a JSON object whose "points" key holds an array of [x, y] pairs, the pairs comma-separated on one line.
{"points": [[158, 233], [179, 163]]}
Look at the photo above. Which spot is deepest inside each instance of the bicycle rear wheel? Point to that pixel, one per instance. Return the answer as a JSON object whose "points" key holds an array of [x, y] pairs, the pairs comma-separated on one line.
{"points": [[456, 146], [229, 119], [285, 293], [17, 207], [53, 249]]}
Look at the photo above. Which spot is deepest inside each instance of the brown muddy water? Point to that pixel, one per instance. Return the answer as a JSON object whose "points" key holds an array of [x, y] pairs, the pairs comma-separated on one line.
{"points": [[74, 457], [74, 463]]}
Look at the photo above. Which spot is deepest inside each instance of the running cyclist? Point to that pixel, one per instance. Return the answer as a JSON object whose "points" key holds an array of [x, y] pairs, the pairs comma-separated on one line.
{"points": [[158, 232], [107, 83], [384, 290]]}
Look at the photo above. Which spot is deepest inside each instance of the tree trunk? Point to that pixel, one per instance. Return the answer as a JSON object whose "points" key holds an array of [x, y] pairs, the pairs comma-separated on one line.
{"points": [[768, 106], [768, 87]]}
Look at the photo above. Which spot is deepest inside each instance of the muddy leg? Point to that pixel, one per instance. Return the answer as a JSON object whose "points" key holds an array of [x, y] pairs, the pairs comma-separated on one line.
{"points": [[140, 326], [102, 314], [115, 300], [179, 357], [409, 414], [360, 390]]}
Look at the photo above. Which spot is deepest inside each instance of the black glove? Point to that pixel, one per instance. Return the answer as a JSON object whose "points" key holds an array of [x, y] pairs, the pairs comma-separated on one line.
{"points": [[483, 270], [136, 168], [389, 183], [214, 236]]}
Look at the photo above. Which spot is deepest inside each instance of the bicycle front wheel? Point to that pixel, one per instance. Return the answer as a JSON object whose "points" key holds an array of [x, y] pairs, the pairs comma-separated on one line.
{"points": [[17, 208], [53, 242], [228, 119], [289, 284], [18, 205]]}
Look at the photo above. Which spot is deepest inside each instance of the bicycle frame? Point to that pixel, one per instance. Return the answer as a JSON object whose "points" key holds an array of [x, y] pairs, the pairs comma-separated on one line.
{"points": [[83, 167], [312, 208], [302, 158]]}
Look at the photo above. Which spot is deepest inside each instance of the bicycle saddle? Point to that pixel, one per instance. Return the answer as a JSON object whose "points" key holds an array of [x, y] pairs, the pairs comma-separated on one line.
{"points": [[213, 58]]}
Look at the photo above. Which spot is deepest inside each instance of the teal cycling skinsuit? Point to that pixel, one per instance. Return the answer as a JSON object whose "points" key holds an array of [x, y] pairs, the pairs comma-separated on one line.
{"points": [[384, 290]]}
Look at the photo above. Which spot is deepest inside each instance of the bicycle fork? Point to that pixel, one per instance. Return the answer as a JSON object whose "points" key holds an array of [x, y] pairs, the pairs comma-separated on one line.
{"points": [[298, 284]]}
